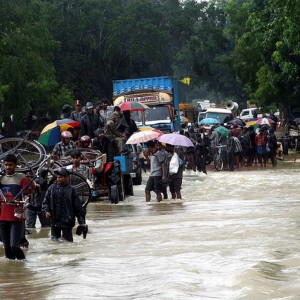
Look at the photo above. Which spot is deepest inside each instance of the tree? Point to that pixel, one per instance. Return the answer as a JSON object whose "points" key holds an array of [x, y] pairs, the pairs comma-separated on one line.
{"points": [[27, 74]]}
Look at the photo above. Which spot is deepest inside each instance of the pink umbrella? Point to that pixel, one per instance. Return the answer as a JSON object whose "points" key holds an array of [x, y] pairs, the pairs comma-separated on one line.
{"points": [[176, 139], [144, 136], [264, 121]]}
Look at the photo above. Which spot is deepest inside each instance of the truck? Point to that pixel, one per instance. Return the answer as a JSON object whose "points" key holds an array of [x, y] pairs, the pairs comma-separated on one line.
{"points": [[187, 112], [160, 94]]}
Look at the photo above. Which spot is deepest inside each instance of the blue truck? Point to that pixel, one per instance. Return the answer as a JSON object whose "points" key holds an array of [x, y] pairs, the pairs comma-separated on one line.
{"points": [[159, 93]]}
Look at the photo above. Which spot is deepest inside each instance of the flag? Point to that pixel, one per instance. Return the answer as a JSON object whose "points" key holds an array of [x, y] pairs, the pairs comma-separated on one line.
{"points": [[186, 80]]}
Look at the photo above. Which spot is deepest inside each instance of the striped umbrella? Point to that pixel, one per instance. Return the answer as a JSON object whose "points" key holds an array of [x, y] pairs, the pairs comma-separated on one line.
{"points": [[51, 133]]}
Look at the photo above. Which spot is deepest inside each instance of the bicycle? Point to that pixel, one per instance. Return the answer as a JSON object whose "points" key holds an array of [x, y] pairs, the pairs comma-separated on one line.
{"points": [[30, 154], [219, 158], [78, 181]]}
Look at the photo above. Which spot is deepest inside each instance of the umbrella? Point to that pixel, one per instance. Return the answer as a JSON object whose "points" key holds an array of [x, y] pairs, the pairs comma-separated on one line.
{"points": [[144, 136], [51, 133], [176, 139], [209, 121], [238, 122], [264, 121], [149, 128], [133, 106], [222, 130]]}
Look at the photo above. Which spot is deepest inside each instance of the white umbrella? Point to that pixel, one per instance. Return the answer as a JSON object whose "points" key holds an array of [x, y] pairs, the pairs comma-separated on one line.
{"points": [[144, 136]]}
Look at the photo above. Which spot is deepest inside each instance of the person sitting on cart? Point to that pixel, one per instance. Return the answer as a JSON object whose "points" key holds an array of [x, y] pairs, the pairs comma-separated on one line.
{"points": [[103, 144], [112, 132], [77, 166], [85, 142], [131, 125], [65, 145]]}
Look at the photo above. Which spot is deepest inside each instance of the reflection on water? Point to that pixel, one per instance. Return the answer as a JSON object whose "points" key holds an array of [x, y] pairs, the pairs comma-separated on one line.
{"points": [[233, 236]]}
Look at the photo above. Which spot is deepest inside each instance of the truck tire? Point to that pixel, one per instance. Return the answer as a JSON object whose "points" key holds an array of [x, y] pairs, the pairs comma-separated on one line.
{"points": [[114, 194]]}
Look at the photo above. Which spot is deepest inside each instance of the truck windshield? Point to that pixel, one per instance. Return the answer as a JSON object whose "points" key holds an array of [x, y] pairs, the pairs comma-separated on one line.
{"points": [[158, 114], [222, 117]]}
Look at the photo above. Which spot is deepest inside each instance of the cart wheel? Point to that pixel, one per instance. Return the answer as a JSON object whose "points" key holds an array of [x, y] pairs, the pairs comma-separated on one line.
{"points": [[114, 194]]}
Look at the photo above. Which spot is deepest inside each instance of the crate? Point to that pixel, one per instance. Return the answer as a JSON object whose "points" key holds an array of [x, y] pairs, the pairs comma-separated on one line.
{"points": [[125, 162]]}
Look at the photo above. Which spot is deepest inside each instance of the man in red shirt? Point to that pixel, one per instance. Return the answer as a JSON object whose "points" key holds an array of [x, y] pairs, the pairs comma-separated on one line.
{"points": [[11, 214]]}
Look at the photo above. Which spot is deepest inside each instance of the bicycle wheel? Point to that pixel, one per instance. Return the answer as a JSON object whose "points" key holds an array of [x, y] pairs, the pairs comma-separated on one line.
{"points": [[29, 153], [218, 162], [82, 187]]}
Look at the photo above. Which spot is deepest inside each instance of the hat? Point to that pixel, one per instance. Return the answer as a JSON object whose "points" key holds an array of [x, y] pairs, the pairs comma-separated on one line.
{"points": [[62, 172], [66, 108], [89, 105]]}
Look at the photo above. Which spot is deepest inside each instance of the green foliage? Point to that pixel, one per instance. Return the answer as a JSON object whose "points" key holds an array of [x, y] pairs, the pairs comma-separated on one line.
{"points": [[55, 51]]}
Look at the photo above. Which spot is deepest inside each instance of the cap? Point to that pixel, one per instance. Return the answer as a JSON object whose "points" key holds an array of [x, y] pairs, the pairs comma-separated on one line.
{"points": [[89, 105], [62, 172]]}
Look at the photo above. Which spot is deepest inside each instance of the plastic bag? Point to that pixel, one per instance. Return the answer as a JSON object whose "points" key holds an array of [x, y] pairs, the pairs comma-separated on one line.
{"points": [[174, 164]]}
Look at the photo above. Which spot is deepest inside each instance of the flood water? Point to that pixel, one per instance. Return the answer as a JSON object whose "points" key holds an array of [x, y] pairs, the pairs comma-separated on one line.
{"points": [[233, 236]]}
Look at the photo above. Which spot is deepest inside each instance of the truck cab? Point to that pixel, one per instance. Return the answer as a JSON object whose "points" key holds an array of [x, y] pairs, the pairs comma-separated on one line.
{"points": [[160, 94], [223, 115]]}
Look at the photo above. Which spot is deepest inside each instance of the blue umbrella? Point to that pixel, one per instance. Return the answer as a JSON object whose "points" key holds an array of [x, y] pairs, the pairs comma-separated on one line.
{"points": [[209, 121]]}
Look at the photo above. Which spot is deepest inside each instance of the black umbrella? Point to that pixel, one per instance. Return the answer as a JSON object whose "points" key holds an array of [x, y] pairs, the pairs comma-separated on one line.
{"points": [[238, 122]]}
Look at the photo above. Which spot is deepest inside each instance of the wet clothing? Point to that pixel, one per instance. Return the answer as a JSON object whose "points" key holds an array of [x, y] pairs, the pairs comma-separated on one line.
{"points": [[76, 116], [11, 227], [64, 205], [34, 210], [12, 234], [82, 169], [104, 146], [154, 182], [61, 148], [89, 124], [11, 185]]}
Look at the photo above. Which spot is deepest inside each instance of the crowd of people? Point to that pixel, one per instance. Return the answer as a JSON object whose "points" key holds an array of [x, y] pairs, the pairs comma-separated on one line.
{"points": [[57, 206], [241, 146]]}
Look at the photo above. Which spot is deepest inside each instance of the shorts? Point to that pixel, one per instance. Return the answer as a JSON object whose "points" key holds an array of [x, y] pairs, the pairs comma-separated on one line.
{"points": [[175, 185], [154, 184]]}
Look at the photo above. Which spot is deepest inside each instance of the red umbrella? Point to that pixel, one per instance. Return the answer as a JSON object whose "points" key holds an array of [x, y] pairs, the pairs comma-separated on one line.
{"points": [[264, 121], [133, 106]]}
